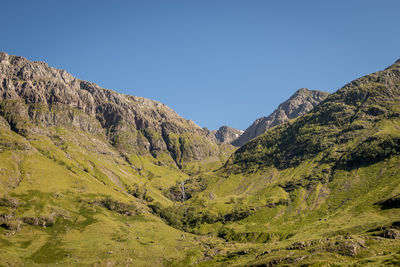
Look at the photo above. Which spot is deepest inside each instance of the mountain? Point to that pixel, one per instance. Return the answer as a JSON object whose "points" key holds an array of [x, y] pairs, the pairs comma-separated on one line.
{"points": [[92, 177], [319, 190], [227, 134], [35, 96], [79, 166], [345, 128], [302, 101]]}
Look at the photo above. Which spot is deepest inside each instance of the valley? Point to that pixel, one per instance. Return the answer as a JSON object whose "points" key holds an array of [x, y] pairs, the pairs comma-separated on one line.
{"points": [[93, 177]]}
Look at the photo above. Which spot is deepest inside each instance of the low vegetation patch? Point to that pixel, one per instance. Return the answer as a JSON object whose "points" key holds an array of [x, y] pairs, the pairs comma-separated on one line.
{"points": [[10, 202], [257, 237], [390, 203], [117, 206]]}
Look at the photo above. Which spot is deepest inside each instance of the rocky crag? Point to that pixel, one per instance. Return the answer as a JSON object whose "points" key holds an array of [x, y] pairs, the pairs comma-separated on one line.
{"points": [[227, 134], [298, 104], [34, 96], [324, 187], [90, 177], [352, 113]]}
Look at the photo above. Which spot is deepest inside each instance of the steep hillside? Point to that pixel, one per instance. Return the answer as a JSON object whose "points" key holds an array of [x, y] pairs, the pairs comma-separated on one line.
{"points": [[92, 177], [79, 166], [321, 189], [227, 134], [35, 96], [298, 104], [352, 127]]}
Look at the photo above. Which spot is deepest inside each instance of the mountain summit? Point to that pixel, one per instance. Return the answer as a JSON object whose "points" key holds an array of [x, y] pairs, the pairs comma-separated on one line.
{"points": [[36, 96], [227, 134], [89, 176], [344, 127], [302, 101]]}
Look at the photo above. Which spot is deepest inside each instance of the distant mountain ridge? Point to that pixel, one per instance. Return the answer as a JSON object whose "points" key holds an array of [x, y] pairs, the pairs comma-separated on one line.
{"points": [[89, 176], [227, 134], [302, 101], [351, 113], [43, 96]]}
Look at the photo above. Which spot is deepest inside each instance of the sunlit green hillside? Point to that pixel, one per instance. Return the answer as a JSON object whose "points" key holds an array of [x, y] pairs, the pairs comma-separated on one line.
{"points": [[329, 180], [92, 177]]}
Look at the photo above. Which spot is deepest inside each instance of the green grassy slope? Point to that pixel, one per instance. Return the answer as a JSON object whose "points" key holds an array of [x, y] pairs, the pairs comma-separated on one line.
{"points": [[67, 198], [320, 190], [80, 165], [329, 181]]}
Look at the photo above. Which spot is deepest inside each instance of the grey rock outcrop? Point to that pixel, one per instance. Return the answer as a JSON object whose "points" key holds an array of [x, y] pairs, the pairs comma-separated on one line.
{"points": [[298, 104], [227, 134], [35, 96]]}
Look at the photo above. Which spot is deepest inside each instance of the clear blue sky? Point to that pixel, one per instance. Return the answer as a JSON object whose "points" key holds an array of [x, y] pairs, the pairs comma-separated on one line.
{"points": [[217, 62]]}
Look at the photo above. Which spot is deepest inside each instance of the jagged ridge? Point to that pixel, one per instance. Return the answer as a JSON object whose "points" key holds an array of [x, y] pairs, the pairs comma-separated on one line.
{"points": [[43, 96], [350, 113], [227, 134], [302, 101]]}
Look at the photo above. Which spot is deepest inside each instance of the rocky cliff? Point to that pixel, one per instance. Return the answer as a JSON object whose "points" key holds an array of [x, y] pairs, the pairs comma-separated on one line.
{"points": [[77, 160], [34, 96], [227, 134], [357, 125], [298, 104]]}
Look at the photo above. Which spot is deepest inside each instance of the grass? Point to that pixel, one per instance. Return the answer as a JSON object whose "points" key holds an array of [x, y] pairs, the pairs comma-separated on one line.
{"points": [[62, 180], [306, 193]]}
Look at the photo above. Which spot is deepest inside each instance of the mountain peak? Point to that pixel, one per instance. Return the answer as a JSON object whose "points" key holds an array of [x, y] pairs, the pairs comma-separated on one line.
{"points": [[133, 125], [302, 101], [346, 119], [302, 91], [227, 134]]}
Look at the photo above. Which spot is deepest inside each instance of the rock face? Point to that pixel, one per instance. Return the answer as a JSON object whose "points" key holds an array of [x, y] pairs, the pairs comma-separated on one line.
{"points": [[298, 104], [227, 134], [34, 96], [357, 125]]}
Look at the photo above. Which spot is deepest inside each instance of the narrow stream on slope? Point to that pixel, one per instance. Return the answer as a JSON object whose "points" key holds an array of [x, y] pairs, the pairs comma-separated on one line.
{"points": [[183, 191]]}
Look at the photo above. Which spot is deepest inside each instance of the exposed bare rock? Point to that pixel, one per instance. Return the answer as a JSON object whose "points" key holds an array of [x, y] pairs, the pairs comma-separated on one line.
{"points": [[7, 201], [227, 134], [346, 247], [298, 104], [390, 233], [34, 96]]}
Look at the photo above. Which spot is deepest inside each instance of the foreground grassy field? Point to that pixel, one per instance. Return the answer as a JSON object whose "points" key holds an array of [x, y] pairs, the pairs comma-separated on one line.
{"points": [[70, 198]]}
